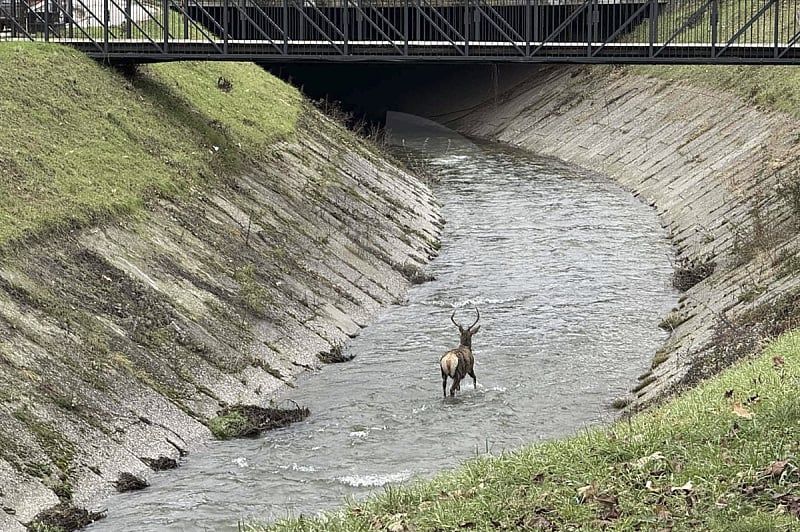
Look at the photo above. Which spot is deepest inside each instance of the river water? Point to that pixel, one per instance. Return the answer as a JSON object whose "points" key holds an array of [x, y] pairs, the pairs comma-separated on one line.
{"points": [[571, 275]]}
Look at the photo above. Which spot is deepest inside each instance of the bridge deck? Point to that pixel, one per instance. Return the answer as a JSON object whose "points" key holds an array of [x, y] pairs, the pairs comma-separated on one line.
{"points": [[588, 31]]}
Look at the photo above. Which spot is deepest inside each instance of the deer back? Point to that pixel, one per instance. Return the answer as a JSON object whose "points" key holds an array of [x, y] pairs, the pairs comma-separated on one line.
{"points": [[458, 362]]}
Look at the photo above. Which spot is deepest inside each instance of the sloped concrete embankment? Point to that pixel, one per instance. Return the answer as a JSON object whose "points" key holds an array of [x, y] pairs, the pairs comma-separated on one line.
{"points": [[722, 174], [118, 343]]}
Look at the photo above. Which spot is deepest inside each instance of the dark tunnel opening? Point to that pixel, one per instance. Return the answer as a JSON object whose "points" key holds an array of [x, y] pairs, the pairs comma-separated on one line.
{"points": [[439, 92]]}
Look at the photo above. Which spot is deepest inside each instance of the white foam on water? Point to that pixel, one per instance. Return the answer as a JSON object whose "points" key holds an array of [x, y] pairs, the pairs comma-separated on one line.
{"points": [[374, 481], [302, 468]]}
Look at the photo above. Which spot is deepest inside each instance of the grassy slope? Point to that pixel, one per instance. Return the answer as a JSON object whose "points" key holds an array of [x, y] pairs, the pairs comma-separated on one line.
{"points": [[767, 86], [80, 143], [694, 463]]}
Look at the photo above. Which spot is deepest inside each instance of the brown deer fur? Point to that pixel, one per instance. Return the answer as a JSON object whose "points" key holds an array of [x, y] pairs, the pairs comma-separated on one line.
{"points": [[458, 363]]}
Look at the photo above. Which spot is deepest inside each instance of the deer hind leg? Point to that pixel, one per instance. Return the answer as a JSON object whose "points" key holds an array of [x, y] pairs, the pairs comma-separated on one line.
{"points": [[444, 384], [474, 380], [455, 387]]}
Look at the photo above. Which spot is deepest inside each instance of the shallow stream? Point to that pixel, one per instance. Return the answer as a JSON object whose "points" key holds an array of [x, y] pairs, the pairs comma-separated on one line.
{"points": [[571, 275]]}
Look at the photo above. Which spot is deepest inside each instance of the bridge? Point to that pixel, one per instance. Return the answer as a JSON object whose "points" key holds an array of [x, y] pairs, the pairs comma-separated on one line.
{"points": [[415, 31]]}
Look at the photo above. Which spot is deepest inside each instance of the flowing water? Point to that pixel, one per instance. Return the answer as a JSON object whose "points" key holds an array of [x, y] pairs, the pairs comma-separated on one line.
{"points": [[571, 275]]}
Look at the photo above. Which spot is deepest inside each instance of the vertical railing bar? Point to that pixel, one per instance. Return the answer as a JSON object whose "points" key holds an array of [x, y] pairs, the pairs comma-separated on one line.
{"points": [[46, 20], [346, 25], [653, 27], [466, 27], [528, 15], [106, 24], [589, 17], [405, 27], [15, 18], [714, 26], [128, 14], [360, 17], [777, 27], [225, 22], [285, 27], [185, 19], [165, 19], [71, 10]]}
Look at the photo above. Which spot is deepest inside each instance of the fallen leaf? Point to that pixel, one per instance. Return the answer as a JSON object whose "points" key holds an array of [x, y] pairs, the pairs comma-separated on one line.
{"points": [[466, 524], [662, 513], [649, 486], [587, 493], [607, 499], [776, 468], [643, 461], [751, 489], [741, 411], [687, 488], [790, 503], [778, 361], [611, 513]]}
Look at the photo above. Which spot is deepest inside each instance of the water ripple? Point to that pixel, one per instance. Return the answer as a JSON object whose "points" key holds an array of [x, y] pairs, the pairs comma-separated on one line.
{"points": [[571, 275]]}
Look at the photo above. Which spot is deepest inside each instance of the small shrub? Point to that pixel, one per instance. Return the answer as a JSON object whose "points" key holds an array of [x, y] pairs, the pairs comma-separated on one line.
{"points": [[129, 482], [788, 189], [414, 274], [239, 421], [671, 321], [762, 235], [336, 355], [162, 463], [63, 518], [787, 263], [691, 271], [620, 402], [228, 425], [741, 336], [252, 295], [750, 294], [643, 384], [660, 357]]}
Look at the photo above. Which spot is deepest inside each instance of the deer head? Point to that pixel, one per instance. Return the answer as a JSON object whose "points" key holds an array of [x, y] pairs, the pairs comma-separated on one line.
{"points": [[466, 334]]}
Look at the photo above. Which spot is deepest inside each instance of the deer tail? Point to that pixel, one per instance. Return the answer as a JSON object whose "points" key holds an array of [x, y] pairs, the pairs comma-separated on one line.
{"points": [[449, 363]]}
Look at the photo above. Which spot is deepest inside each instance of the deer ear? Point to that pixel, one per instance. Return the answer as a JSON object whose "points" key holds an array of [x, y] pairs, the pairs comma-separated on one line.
{"points": [[476, 329]]}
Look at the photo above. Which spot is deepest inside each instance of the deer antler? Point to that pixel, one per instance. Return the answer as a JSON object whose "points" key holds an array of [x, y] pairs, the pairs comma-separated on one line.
{"points": [[453, 315], [476, 319]]}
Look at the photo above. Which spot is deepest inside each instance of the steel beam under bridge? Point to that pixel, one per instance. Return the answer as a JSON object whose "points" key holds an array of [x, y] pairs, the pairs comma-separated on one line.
{"points": [[416, 31]]}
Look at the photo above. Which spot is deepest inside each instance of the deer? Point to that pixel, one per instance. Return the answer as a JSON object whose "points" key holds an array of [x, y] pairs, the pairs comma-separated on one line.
{"points": [[458, 363]]}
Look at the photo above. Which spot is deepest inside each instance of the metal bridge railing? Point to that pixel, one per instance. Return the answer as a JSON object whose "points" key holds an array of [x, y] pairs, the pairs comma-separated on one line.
{"points": [[711, 31]]}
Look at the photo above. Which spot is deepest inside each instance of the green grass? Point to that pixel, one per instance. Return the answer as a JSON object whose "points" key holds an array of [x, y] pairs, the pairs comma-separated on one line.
{"points": [[701, 462], [80, 143], [228, 426], [773, 87]]}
